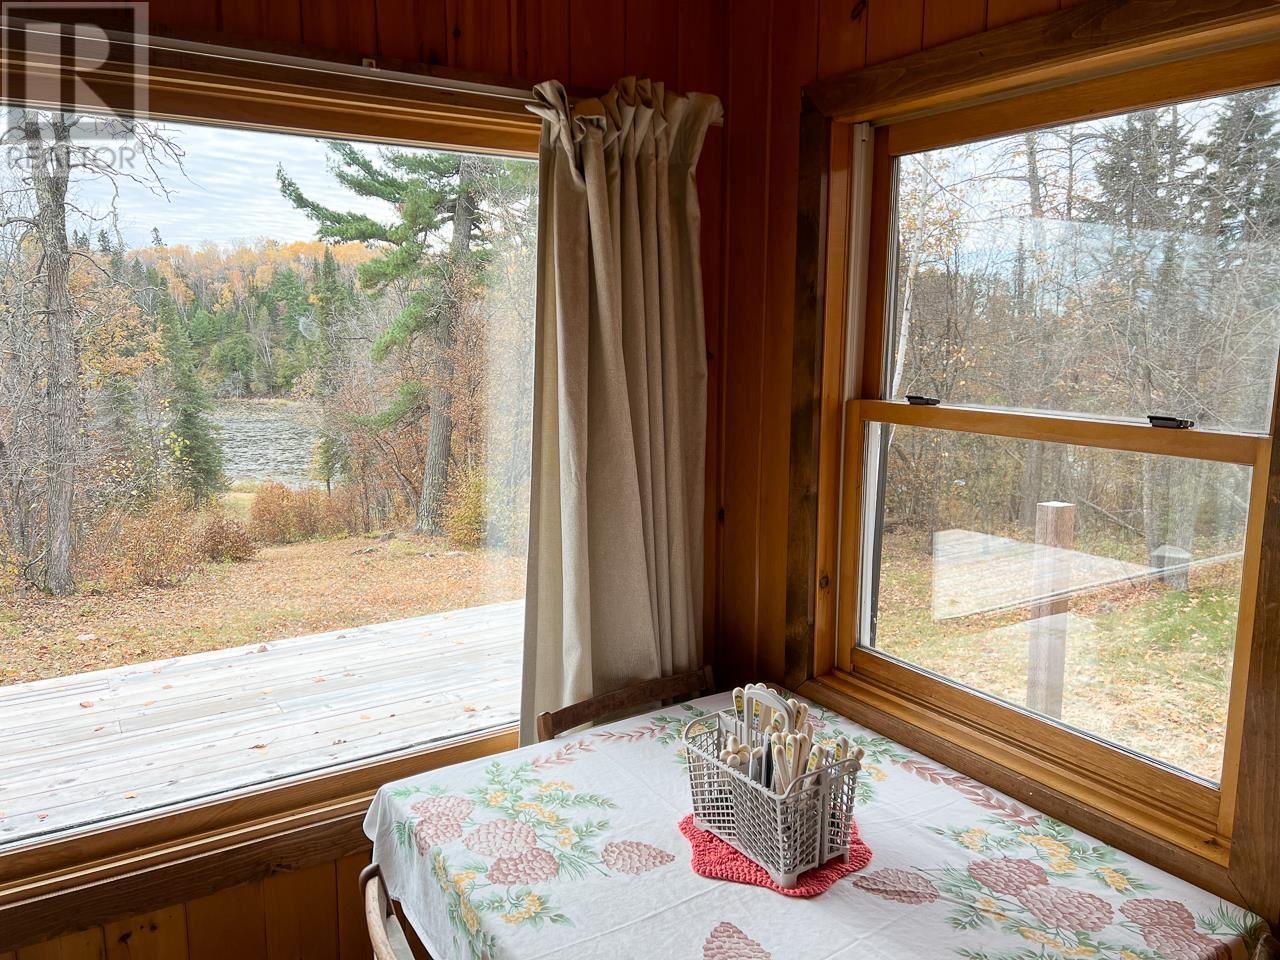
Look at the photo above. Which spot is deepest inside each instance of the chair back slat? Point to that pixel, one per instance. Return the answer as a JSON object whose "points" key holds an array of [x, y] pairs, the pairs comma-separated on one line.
{"points": [[552, 723]]}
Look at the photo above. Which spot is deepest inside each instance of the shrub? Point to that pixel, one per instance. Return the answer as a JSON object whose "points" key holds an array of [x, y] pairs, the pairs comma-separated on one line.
{"points": [[466, 510], [282, 515], [222, 536], [149, 546]]}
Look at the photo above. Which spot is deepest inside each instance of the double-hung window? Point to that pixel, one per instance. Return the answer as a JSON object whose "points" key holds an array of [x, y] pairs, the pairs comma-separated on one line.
{"points": [[1056, 461]]}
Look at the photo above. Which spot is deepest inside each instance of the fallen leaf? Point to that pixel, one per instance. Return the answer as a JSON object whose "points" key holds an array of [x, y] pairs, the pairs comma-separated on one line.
{"points": [[365, 716], [338, 742], [86, 704], [263, 649], [258, 746], [42, 816], [147, 703], [469, 709], [130, 795]]}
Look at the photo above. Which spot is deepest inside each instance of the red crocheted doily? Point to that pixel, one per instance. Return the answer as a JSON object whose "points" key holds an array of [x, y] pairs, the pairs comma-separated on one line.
{"points": [[716, 860]]}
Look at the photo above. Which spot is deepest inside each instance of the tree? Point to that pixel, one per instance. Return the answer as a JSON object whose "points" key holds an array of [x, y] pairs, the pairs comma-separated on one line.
{"points": [[432, 259], [51, 155]]}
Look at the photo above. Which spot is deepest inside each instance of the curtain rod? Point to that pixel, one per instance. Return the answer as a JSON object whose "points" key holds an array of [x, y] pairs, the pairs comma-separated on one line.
{"points": [[367, 69]]}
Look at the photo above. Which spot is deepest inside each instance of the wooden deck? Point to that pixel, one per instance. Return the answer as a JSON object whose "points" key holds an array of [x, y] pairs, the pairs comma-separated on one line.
{"points": [[114, 743]]}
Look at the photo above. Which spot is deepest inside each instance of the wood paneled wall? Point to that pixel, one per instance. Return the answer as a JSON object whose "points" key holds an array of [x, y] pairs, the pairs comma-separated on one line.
{"points": [[776, 47], [310, 914]]}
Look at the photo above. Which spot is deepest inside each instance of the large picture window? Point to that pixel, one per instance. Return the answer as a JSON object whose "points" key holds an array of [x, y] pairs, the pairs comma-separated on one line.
{"points": [[1029, 535], [265, 426]]}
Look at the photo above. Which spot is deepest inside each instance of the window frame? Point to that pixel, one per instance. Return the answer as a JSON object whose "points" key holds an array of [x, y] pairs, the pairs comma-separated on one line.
{"points": [[150, 860], [1179, 823]]}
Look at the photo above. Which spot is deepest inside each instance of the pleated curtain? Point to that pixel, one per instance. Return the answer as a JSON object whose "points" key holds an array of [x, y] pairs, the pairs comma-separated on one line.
{"points": [[614, 592]]}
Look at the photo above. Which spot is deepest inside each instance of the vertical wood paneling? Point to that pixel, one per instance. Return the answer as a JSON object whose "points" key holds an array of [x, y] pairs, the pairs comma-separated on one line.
{"points": [[1000, 12], [479, 34], [353, 934], [652, 40], [179, 15], [597, 37], [229, 923], [86, 945], [302, 914], [543, 51], [946, 20], [412, 30], [842, 36], [746, 226], [261, 19], [795, 25], [894, 29], [338, 25], [161, 935], [701, 66]]}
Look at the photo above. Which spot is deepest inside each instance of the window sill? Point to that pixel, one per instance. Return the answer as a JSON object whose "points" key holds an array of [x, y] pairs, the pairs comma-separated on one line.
{"points": [[91, 878], [1087, 799]]}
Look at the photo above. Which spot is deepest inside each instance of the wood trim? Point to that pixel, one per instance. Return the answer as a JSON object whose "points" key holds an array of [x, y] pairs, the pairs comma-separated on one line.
{"points": [[938, 738], [842, 222], [1255, 858], [189, 86], [1215, 73], [1182, 810], [1105, 434], [1089, 39], [115, 860], [804, 586]]}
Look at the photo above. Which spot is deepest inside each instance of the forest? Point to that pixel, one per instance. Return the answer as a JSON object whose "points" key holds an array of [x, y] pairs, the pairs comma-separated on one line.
{"points": [[408, 338]]}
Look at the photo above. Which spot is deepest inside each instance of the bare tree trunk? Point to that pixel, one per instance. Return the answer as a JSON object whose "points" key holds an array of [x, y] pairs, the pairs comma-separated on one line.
{"points": [[435, 470], [50, 168]]}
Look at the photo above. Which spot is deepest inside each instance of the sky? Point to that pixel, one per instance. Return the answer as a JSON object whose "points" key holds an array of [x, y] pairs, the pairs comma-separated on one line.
{"points": [[226, 192]]}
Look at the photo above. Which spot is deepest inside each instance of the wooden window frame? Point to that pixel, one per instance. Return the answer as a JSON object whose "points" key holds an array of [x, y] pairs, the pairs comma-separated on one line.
{"points": [[148, 861], [1094, 59]]}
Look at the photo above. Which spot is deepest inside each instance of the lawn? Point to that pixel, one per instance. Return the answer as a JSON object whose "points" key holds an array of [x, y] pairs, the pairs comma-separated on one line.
{"points": [[1147, 667], [284, 591]]}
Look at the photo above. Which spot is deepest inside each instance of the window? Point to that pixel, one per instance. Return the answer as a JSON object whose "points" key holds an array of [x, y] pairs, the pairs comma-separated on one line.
{"points": [[1032, 545], [285, 383]]}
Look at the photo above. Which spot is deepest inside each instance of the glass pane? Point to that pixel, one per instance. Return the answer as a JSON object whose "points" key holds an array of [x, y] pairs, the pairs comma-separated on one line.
{"points": [[295, 403], [1095, 587], [1119, 267]]}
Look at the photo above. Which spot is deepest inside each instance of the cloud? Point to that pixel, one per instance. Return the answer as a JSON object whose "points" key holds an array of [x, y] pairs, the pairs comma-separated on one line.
{"points": [[226, 192]]}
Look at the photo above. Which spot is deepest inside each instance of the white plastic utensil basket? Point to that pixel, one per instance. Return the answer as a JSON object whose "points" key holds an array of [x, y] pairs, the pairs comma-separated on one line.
{"points": [[786, 834]]}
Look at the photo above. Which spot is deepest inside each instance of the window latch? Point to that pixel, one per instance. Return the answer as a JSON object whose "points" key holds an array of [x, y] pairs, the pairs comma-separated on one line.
{"points": [[1169, 423], [918, 401]]}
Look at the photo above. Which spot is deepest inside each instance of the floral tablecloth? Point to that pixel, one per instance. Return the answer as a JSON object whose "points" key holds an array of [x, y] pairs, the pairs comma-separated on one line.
{"points": [[570, 849]]}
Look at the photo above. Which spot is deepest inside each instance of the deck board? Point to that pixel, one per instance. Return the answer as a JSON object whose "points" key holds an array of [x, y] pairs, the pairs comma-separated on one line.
{"points": [[122, 741]]}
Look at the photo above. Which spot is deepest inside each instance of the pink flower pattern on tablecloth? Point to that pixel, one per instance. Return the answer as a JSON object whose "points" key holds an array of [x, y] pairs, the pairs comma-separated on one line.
{"points": [[727, 942]]}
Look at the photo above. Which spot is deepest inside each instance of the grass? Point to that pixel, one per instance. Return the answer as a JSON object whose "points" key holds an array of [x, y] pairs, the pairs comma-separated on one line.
{"points": [[284, 591], [1148, 667]]}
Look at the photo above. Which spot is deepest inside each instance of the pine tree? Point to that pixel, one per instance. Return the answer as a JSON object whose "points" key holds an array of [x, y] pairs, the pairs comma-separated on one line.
{"points": [[434, 195], [195, 448]]}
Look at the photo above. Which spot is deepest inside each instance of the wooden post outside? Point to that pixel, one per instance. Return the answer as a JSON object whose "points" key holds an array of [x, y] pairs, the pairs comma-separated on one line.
{"points": [[1051, 581]]}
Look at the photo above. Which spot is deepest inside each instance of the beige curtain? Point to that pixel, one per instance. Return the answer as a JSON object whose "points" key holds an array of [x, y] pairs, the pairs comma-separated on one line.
{"points": [[615, 545]]}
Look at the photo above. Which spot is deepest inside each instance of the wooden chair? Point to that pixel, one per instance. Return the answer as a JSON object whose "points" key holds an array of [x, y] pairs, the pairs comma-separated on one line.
{"points": [[552, 723], [385, 932]]}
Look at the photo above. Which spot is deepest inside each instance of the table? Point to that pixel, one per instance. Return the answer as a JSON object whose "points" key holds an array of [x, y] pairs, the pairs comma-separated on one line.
{"points": [[570, 849]]}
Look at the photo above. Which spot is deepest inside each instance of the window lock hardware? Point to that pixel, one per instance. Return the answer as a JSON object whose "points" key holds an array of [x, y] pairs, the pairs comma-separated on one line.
{"points": [[918, 401], [1170, 423]]}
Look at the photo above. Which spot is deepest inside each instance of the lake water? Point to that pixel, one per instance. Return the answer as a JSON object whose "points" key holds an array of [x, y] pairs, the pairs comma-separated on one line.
{"points": [[267, 440]]}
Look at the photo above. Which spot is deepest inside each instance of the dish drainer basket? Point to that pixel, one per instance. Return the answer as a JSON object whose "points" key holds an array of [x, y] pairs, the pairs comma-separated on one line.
{"points": [[786, 833]]}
